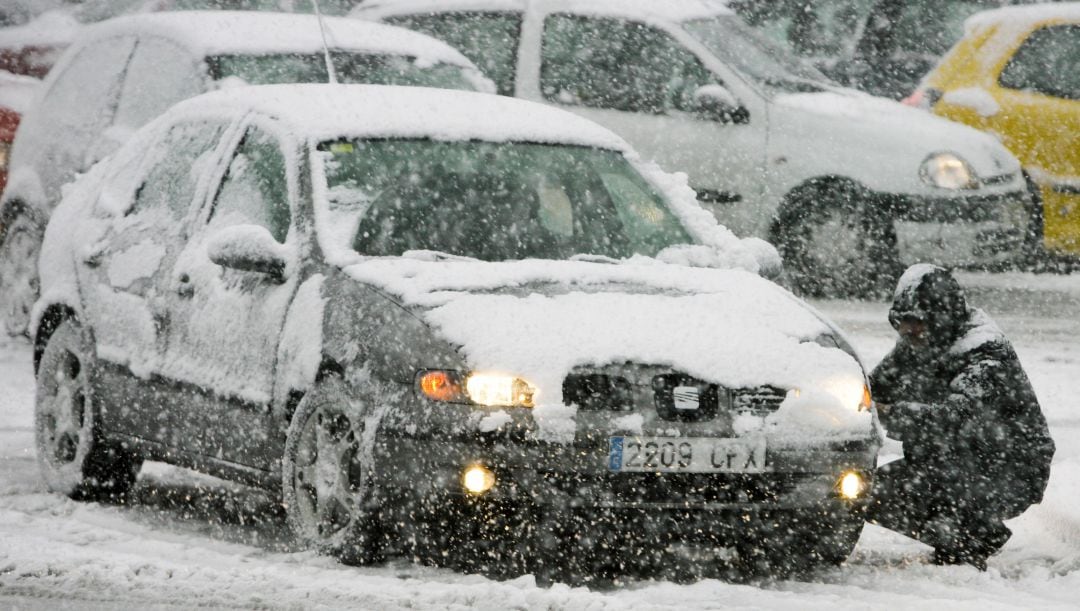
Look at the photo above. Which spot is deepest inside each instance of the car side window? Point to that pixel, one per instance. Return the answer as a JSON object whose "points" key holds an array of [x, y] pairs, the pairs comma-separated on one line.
{"points": [[1048, 62], [255, 189], [617, 64], [489, 39], [161, 74], [170, 184], [81, 102]]}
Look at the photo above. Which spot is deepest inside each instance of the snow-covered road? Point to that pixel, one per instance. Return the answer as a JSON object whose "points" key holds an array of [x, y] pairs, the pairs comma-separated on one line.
{"points": [[194, 541]]}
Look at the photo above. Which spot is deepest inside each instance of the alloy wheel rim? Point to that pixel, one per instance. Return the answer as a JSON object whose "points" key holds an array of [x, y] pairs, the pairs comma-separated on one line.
{"points": [[330, 479], [64, 412], [834, 246]]}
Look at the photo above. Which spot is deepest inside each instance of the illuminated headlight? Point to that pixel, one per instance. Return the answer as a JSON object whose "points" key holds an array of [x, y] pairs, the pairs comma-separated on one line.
{"points": [[851, 393], [482, 389], [947, 171], [477, 479], [851, 485], [496, 390]]}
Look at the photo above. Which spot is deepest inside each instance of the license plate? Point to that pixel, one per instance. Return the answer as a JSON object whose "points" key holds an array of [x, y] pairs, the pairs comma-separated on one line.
{"points": [[688, 455]]}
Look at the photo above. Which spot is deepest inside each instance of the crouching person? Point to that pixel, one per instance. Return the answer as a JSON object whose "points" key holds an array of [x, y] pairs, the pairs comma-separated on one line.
{"points": [[977, 450]]}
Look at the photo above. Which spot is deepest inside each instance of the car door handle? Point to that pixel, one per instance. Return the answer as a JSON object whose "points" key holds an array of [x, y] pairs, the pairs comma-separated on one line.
{"points": [[93, 259], [184, 287]]}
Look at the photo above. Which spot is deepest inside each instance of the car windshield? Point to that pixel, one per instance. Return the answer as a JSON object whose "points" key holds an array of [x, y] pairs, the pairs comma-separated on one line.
{"points": [[99, 10], [350, 68], [760, 59], [492, 201]]}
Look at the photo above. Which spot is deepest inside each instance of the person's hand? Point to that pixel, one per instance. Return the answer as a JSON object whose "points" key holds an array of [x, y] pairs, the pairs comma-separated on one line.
{"points": [[883, 407]]}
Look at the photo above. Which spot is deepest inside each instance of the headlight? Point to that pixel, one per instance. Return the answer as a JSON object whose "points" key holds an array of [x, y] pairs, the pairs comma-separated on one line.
{"points": [[5, 148], [853, 394], [491, 390], [947, 171]]}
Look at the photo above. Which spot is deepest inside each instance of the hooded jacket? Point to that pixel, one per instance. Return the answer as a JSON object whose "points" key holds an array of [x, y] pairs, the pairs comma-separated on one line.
{"points": [[962, 404]]}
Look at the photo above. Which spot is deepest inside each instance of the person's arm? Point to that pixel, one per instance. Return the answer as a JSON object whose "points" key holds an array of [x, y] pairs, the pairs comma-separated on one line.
{"points": [[970, 389]]}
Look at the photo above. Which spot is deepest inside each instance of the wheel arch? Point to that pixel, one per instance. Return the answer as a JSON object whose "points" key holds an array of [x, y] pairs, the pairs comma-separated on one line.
{"points": [[47, 324], [795, 198]]}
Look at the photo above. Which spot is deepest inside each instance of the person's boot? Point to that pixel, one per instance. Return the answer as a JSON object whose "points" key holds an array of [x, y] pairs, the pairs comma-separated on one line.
{"points": [[946, 557]]}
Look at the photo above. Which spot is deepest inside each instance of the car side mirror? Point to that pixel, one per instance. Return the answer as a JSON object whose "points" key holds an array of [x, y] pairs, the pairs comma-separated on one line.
{"points": [[716, 103], [248, 248]]}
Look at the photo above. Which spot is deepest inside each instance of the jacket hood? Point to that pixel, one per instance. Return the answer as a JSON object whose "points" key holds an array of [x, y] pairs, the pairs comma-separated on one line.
{"points": [[930, 294]]}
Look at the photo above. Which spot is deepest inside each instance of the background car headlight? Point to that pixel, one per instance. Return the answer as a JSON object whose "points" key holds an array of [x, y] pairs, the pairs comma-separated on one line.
{"points": [[491, 390], [947, 171], [5, 149]]}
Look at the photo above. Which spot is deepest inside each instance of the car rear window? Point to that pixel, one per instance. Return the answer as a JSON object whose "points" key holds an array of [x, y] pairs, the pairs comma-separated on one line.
{"points": [[350, 68]]}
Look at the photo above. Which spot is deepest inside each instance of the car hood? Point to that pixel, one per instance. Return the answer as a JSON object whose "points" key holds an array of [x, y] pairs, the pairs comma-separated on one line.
{"points": [[882, 124], [540, 320]]}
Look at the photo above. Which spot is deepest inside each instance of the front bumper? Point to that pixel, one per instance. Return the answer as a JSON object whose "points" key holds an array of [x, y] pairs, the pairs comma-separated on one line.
{"points": [[971, 231], [577, 478]]}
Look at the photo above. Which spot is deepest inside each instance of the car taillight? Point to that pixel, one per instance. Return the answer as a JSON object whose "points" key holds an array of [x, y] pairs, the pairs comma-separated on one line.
{"points": [[923, 98]]}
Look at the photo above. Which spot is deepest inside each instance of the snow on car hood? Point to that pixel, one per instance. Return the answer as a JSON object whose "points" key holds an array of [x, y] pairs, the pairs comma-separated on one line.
{"points": [[540, 319], [892, 126]]}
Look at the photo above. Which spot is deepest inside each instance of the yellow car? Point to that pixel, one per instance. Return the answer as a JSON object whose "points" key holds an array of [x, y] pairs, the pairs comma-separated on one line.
{"points": [[1016, 74]]}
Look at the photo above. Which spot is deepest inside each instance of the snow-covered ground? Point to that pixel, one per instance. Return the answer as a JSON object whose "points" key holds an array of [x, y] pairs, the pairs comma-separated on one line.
{"points": [[193, 541]]}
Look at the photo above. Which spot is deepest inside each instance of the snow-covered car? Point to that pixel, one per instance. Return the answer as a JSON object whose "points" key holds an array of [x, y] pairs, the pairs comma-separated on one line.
{"points": [[31, 48], [123, 72], [849, 187], [397, 305]]}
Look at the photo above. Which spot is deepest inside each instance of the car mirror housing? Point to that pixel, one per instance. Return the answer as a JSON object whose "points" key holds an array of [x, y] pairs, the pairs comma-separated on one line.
{"points": [[248, 248], [717, 103]]}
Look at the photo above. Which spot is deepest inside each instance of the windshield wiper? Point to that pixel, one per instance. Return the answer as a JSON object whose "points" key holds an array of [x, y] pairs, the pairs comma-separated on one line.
{"points": [[435, 255], [795, 85]]}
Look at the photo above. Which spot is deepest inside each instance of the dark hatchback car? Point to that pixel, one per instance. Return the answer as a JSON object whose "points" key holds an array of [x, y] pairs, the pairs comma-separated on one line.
{"points": [[398, 304]]}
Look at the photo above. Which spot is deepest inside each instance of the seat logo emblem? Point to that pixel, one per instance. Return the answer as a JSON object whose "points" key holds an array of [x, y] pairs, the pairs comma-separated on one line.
{"points": [[687, 397]]}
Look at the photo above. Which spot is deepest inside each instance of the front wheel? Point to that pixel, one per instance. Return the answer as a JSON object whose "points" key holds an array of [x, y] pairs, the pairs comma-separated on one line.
{"points": [[327, 475], [74, 458], [836, 243], [797, 543]]}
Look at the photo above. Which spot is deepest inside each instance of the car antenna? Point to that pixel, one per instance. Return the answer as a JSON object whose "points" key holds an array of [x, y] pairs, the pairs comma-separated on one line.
{"points": [[325, 47]]}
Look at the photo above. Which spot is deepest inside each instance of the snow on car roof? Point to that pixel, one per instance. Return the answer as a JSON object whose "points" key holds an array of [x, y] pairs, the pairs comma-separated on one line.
{"points": [[673, 10], [210, 33], [1023, 16], [326, 112]]}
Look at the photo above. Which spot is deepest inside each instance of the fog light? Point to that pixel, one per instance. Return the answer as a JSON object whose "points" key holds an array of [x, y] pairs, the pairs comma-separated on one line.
{"points": [[851, 485], [478, 479]]}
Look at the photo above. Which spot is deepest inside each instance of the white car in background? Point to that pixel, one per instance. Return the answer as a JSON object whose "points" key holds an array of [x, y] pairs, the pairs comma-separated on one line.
{"points": [[122, 73], [848, 186]]}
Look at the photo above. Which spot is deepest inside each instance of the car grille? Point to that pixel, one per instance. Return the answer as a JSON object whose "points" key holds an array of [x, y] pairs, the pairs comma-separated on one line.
{"points": [[760, 401], [668, 392]]}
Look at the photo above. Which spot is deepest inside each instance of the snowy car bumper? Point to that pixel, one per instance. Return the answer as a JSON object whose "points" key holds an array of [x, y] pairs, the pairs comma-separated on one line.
{"points": [[986, 230], [578, 477]]}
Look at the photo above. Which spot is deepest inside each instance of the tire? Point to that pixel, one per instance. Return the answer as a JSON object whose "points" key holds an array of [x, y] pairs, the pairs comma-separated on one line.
{"points": [[1035, 254], [793, 544], [18, 273], [836, 243], [74, 458], [327, 476]]}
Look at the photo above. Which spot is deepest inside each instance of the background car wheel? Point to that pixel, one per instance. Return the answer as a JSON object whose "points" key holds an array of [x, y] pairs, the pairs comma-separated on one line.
{"points": [[74, 459], [18, 273], [836, 243], [327, 476]]}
